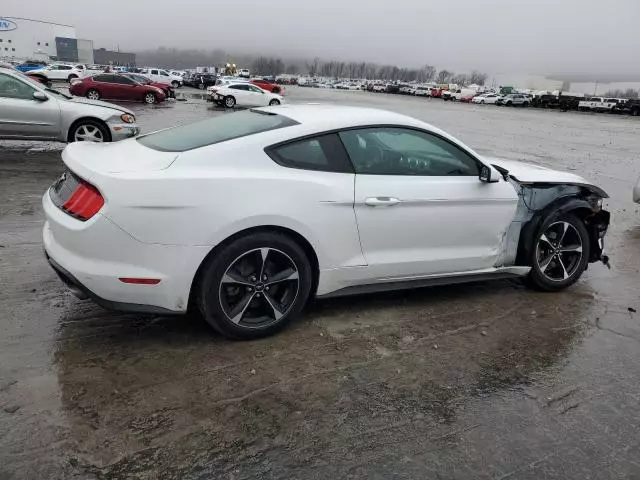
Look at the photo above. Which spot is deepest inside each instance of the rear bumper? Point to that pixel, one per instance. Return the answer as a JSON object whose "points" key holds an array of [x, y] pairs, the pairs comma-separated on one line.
{"points": [[91, 257], [83, 293]]}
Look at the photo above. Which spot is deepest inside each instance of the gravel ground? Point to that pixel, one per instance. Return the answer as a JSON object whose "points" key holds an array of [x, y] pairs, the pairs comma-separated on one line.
{"points": [[489, 381]]}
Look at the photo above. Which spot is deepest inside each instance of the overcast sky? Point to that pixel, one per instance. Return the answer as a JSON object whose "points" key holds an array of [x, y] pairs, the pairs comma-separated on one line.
{"points": [[497, 36]]}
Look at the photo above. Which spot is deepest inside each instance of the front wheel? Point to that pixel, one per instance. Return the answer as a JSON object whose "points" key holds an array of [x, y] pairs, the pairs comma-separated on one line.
{"points": [[255, 285], [175, 84], [201, 86], [89, 131], [274, 102], [561, 253], [150, 98], [229, 102]]}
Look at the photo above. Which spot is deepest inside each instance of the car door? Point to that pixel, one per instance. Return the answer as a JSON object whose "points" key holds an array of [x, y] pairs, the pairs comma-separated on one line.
{"points": [[23, 116], [242, 95], [420, 205], [104, 83], [154, 75], [126, 89], [258, 97]]}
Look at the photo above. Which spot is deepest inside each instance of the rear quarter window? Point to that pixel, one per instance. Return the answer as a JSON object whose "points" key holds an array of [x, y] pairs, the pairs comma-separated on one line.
{"points": [[214, 130]]}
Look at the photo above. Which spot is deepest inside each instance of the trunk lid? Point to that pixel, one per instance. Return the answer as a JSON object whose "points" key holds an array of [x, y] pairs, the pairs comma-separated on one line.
{"points": [[88, 159]]}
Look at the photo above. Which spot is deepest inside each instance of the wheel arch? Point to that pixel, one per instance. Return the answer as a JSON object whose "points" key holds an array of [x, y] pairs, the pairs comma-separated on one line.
{"points": [[94, 119], [301, 240], [581, 207]]}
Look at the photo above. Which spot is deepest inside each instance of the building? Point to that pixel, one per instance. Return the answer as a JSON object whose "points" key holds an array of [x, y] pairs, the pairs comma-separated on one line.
{"points": [[102, 56], [24, 39]]}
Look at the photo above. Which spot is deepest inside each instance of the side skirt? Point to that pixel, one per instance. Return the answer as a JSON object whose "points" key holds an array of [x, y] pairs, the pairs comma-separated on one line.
{"points": [[449, 279]]}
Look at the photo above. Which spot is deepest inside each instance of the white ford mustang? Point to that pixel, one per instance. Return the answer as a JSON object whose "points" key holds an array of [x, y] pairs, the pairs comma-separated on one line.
{"points": [[247, 215]]}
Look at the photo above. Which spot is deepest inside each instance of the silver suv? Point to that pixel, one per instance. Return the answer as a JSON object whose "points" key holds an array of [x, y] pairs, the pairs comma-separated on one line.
{"points": [[514, 99], [31, 111]]}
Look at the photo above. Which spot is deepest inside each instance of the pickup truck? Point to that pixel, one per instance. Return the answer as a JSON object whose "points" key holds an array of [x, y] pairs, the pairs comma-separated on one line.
{"points": [[162, 76], [597, 104]]}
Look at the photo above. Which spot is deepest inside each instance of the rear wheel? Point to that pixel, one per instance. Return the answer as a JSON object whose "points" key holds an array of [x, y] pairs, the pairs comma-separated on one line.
{"points": [[175, 84], [93, 94], [71, 77], [525, 104], [201, 86], [255, 285], [561, 253], [274, 102]]}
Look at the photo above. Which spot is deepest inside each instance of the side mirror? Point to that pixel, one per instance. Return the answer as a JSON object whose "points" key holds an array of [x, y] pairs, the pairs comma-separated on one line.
{"points": [[488, 175], [40, 96]]}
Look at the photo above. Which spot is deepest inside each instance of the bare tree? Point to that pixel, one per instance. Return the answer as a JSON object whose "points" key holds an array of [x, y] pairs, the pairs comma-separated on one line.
{"points": [[427, 73], [444, 76], [617, 93], [460, 79], [313, 67], [479, 78], [292, 68]]}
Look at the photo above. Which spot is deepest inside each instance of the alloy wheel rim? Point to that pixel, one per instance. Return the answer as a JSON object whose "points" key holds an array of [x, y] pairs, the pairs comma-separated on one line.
{"points": [[559, 251], [229, 102], [149, 98], [259, 288], [93, 95], [88, 133]]}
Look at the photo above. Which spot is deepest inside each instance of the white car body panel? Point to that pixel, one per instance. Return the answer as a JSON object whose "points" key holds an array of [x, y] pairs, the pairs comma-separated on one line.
{"points": [[161, 76], [165, 211]]}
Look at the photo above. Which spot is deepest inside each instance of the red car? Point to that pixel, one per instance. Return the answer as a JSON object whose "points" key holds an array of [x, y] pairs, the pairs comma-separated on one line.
{"points": [[112, 86], [467, 98], [141, 79], [268, 86]]}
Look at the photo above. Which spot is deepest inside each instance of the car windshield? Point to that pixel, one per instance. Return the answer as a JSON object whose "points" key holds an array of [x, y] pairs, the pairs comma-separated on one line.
{"points": [[214, 130]]}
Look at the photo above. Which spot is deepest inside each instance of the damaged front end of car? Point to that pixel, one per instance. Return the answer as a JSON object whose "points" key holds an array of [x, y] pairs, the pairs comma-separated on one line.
{"points": [[542, 202]]}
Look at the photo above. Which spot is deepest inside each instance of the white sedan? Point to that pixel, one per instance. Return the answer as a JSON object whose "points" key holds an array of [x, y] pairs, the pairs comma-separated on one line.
{"points": [[243, 94], [490, 98], [248, 215]]}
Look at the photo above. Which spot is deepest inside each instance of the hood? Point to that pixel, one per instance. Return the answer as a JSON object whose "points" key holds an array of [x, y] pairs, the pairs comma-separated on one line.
{"points": [[99, 103], [529, 173]]}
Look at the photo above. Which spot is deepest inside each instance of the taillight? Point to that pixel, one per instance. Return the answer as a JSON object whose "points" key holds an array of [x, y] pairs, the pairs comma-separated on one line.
{"points": [[76, 196]]}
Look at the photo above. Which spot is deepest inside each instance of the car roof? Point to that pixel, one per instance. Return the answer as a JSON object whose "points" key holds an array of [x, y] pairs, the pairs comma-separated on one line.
{"points": [[328, 117]]}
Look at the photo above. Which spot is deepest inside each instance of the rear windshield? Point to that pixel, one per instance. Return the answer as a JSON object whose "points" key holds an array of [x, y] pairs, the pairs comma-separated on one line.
{"points": [[214, 130]]}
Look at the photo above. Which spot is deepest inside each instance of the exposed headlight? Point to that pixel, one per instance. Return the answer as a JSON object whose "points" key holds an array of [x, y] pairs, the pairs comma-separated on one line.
{"points": [[127, 118]]}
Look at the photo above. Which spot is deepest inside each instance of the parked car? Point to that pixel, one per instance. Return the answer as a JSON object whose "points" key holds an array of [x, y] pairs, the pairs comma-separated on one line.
{"points": [[379, 87], [319, 201], [563, 101], [116, 86], [265, 85], [168, 90], [408, 89], [243, 95], [244, 73], [489, 98], [162, 76], [628, 106], [61, 72], [31, 111], [30, 65], [597, 104], [514, 100], [201, 80], [423, 91]]}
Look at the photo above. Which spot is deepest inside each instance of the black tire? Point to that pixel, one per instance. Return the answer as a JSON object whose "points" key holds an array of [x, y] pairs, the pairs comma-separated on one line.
{"points": [[229, 102], [71, 77], [93, 94], [175, 84], [509, 104], [274, 102], [150, 98], [93, 124], [635, 112], [525, 104], [540, 276], [201, 86], [213, 294]]}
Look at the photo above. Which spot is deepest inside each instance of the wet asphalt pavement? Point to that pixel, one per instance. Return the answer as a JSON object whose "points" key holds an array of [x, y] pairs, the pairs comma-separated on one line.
{"points": [[487, 381]]}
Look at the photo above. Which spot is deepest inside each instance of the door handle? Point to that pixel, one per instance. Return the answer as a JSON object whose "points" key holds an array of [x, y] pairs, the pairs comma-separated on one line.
{"points": [[381, 201]]}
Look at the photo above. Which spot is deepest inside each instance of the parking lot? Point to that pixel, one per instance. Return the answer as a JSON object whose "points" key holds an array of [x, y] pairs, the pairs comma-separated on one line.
{"points": [[490, 381]]}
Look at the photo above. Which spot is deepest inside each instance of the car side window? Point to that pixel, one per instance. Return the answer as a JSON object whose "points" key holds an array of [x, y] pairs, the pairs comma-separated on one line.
{"points": [[324, 153], [254, 89], [239, 87], [403, 151], [122, 80], [103, 78], [64, 67], [154, 72], [11, 87]]}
